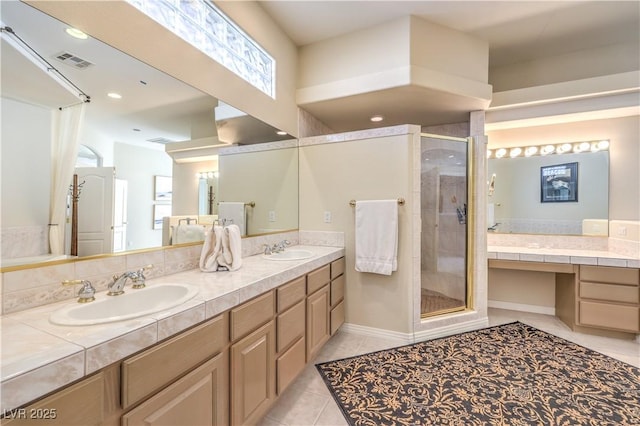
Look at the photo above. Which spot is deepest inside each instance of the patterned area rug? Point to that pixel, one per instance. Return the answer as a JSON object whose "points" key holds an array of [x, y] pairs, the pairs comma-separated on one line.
{"points": [[511, 374]]}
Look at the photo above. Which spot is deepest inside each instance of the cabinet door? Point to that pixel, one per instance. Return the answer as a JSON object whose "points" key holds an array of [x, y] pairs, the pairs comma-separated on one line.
{"points": [[79, 404], [199, 398], [317, 321], [253, 384]]}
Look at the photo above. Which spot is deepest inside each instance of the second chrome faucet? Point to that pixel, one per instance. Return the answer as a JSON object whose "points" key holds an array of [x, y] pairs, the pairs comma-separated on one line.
{"points": [[137, 279]]}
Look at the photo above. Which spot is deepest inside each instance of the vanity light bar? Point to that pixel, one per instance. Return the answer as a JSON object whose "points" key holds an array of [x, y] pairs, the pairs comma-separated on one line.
{"points": [[561, 148]]}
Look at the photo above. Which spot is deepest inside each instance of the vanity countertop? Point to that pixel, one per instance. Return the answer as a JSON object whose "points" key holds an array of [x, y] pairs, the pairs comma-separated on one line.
{"points": [[38, 356], [556, 255]]}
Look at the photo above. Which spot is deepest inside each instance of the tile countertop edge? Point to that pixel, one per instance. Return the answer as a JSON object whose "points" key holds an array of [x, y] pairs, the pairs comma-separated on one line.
{"points": [[286, 271], [571, 256]]}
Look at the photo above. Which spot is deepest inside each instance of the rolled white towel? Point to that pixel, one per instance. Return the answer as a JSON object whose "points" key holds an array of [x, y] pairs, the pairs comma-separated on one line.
{"points": [[234, 235], [211, 250]]}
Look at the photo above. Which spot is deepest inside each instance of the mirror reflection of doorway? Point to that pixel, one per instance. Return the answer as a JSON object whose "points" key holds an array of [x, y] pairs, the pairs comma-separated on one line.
{"points": [[444, 224]]}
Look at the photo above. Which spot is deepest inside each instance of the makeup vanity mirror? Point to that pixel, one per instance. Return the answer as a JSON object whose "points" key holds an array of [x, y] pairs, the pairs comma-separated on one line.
{"points": [[129, 135], [556, 194]]}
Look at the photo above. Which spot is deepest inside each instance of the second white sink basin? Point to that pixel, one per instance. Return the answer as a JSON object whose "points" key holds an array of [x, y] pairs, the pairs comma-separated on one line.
{"points": [[295, 254], [131, 304]]}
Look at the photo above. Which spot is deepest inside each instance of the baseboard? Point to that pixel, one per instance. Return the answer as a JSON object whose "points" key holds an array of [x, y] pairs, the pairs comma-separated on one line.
{"points": [[418, 336], [376, 332], [536, 309], [451, 329]]}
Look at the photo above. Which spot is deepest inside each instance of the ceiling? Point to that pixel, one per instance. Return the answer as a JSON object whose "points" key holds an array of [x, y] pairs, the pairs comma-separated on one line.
{"points": [[516, 31], [163, 107]]}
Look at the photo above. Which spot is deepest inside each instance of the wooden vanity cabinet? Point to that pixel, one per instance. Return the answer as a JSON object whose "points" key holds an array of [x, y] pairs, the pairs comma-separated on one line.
{"points": [[199, 398], [226, 370], [79, 404], [609, 298], [336, 317], [253, 383], [290, 332]]}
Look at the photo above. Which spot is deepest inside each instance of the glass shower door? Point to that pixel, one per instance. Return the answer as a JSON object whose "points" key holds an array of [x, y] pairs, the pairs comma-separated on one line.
{"points": [[444, 187]]}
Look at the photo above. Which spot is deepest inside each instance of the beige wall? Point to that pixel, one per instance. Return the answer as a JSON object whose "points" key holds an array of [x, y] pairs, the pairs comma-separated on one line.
{"points": [[376, 168], [268, 178], [602, 61], [523, 287], [402, 52], [624, 154]]}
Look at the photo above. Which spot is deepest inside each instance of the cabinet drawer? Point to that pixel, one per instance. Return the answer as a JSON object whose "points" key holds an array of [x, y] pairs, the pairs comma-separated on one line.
{"points": [[291, 293], [201, 397], [619, 317], [80, 404], [290, 364], [290, 326], [610, 292], [318, 278], [337, 290], [608, 274], [155, 368], [251, 315], [337, 317], [337, 267]]}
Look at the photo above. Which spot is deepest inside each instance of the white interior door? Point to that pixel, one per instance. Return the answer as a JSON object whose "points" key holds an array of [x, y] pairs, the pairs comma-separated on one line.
{"points": [[120, 216], [95, 210]]}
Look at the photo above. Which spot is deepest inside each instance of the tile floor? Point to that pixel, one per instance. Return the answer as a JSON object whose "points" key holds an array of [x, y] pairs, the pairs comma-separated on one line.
{"points": [[308, 402]]}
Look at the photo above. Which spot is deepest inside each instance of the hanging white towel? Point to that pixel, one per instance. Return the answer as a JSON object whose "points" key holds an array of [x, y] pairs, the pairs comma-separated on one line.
{"points": [[234, 212], [377, 236], [211, 250]]}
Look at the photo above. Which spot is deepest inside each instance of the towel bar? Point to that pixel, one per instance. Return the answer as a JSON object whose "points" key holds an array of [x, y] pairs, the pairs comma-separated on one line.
{"points": [[352, 203]]}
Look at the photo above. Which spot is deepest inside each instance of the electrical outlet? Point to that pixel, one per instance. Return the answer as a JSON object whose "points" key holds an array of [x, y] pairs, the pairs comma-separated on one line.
{"points": [[327, 217], [272, 216]]}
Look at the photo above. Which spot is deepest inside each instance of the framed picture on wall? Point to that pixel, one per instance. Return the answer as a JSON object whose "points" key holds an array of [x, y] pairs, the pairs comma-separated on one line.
{"points": [[162, 188], [559, 183], [160, 211]]}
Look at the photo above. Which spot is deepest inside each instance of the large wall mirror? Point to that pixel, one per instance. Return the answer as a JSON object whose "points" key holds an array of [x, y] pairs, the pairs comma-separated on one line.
{"points": [[159, 128], [555, 194]]}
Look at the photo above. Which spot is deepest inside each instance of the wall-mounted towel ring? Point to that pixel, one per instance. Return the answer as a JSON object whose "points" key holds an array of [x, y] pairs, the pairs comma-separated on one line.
{"points": [[352, 203]]}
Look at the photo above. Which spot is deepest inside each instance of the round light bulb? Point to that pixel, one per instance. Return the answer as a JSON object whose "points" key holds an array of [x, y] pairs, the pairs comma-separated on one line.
{"points": [[501, 153], [515, 152], [530, 151]]}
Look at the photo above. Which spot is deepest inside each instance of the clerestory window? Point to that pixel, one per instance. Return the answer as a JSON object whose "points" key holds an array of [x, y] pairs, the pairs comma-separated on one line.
{"points": [[203, 25]]}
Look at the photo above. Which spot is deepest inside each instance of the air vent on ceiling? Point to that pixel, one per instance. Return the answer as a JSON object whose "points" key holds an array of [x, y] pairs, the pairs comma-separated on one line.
{"points": [[163, 141], [73, 60]]}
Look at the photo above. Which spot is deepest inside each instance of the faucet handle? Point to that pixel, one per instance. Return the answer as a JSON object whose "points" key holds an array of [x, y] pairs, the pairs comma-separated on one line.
{"points": [[86, 292], [267, 249], [138, 279]]}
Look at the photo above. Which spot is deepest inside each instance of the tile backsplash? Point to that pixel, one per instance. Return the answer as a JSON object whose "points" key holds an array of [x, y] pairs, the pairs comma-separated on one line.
{"points": [[28, 288]]}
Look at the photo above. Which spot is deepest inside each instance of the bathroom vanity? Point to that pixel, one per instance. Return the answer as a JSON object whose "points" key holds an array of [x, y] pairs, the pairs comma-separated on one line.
{"points": [[594, 292], [227, 369]]}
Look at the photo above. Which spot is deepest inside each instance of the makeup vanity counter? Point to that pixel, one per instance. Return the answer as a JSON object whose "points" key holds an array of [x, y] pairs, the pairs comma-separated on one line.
{"points": [[39, 357], [594, 289]]}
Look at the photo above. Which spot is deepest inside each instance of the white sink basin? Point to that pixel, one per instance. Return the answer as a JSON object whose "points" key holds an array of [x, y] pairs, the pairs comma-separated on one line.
{"points": [[131, 304], [295, 254]]}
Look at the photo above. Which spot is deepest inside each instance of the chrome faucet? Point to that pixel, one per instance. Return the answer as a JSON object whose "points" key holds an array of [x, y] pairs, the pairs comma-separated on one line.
{"points": [[137, 278], [86, 292], [281, 245]]}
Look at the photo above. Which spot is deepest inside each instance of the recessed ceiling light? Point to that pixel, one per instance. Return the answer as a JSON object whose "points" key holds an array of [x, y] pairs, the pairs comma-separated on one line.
{"points": [[281, 132], [114, 95], [376, 118], [74, 32]]}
